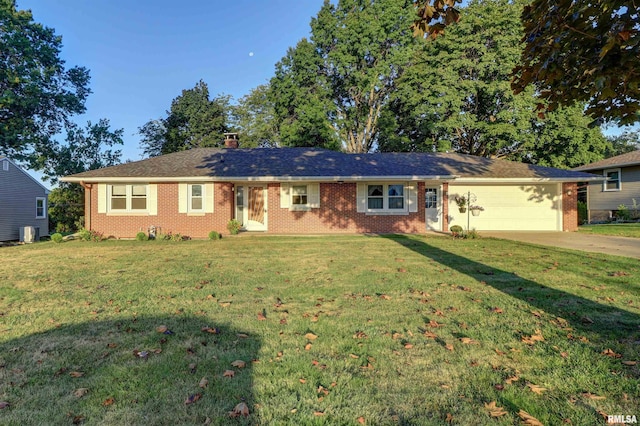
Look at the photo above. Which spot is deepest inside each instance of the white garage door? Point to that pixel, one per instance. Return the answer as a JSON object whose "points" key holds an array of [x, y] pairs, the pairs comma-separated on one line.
{"points": [[510, 207]]}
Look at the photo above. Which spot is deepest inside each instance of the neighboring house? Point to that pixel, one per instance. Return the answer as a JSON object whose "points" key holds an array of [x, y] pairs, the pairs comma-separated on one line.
{"points": [[23, 201], [621, 185], [307, 191]]}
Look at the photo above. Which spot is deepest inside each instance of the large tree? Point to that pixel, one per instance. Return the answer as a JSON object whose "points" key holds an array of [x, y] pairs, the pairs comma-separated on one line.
{"points": [[575, 51], [254, 118], [193, 121], [38, 95], [339, 80], [457, 97]]}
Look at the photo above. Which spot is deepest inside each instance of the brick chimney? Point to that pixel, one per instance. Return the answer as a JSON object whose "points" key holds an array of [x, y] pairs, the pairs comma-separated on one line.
{"points": [[231, 140]]}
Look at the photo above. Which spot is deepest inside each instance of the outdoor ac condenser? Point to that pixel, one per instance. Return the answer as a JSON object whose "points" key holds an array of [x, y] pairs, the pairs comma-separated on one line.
{"points": [[29, 234]]}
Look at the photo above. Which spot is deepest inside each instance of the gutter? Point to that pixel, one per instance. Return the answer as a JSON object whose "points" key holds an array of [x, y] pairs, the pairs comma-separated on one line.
{"points": [[404, 178]]}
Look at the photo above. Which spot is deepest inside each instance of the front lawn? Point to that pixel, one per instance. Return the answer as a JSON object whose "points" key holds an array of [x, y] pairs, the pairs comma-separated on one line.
{"points": [[332, 330], [615, 229]]}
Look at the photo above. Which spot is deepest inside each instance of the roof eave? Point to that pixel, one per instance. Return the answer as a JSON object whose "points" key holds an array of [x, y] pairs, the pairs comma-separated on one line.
{"points": [[529, 180], [608, 166], [80, 179]]}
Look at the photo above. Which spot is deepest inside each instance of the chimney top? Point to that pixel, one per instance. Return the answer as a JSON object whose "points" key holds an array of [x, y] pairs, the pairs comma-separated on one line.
{"points": [[231, 140]]}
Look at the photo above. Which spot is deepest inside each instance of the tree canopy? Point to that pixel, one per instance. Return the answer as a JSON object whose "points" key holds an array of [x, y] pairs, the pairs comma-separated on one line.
{"points": [[193, 121], [332, 87], [38, 95], [254, 118], [575, 51]]}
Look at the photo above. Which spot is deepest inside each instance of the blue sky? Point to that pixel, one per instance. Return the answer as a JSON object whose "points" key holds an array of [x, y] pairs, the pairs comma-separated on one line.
{"points": [[143, 53]]}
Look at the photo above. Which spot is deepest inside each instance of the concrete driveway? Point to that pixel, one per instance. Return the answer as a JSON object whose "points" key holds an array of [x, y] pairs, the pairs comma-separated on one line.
{"points": [[620, 246]]}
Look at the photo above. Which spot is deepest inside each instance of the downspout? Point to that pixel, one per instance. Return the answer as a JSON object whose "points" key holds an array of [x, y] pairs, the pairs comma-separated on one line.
{"points": [[87, 204]]}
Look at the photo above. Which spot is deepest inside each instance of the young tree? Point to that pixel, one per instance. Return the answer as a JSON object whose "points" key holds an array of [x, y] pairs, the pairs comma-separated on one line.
{"points": [[343, 76], [37, 94], [193, 121]]}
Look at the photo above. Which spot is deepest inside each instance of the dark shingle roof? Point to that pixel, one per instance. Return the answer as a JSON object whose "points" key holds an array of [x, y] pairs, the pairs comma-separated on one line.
{"points": [[629, 159], [293, 163]]}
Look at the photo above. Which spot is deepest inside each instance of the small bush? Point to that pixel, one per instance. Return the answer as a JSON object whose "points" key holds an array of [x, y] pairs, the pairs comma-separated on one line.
{"points": [[141, 236], [456, 230], [472, 235], [583, 216], [57, 237], [84, 235], [623, 214], [233, 226], [213, 235]]}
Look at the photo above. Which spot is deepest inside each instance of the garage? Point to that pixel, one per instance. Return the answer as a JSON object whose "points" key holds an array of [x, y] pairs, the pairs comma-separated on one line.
{"points": [[509, 207]]}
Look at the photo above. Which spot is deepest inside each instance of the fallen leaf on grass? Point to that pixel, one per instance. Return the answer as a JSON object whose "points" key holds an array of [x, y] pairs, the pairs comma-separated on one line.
{"points": [[108, 401], [76, 374], [318, 413], [449, 347], [242, 335], [408, 345], [3, 404], [77, 420], [261, 316], [310, 336], [528, 419], [361, 420], [512, 379], [228, 373], [497, 310], [307, 347], [161, 328], [468, 341], [203, 383], [360, 335], [536, 389], [595, 397], [430, 335], [212, 330], [240, 410], [354, 356], [536, 337], [385, 297], [494, 410], [611, 353], [449, 418], [238, 363], [79, 393], [192, 398], [434, 324], [629, 362]]}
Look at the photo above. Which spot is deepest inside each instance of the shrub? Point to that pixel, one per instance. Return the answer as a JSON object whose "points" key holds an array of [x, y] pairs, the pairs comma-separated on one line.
{"points": [[141, 236], [582, 213], [84, 234], [623, 213], [472, 235], [233, 226], [456, 230], [57, 238], [213, 235]]}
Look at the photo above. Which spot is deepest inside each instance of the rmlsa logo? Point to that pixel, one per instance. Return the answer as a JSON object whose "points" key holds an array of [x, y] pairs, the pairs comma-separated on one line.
{"points": [[619, 419]]}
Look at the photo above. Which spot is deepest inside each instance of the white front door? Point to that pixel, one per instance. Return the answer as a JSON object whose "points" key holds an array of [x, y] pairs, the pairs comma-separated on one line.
{"points": [[433, 208], [251, 207]]}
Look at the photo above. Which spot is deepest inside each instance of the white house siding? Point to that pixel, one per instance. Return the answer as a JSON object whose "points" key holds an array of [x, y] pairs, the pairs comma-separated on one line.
{"points": [[601, 202], [517, 207], [18, 193]]}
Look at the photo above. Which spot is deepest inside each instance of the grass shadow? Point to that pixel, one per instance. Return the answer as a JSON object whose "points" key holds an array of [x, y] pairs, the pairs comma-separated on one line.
{"points": [[128, 371]]}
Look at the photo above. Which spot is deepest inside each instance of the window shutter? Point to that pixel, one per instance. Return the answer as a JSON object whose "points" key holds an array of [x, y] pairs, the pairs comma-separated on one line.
{"points": [[313, 192], [285, 200], [102, 198], [412, 197], [183, 197], [208, 197], [152, 199], [362, 198]]}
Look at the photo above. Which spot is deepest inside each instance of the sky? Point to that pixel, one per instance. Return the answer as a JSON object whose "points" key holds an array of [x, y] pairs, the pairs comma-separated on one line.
{"points": [[142, 53]]}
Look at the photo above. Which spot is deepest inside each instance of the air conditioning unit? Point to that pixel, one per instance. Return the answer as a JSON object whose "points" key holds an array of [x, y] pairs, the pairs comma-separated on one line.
{"points": [[29, 234]]}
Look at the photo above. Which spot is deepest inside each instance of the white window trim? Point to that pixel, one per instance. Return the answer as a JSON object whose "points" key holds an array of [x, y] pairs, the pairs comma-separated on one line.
{"points": [[44, 207], [385, 199], [5, 166], [298, 207], [604, 183], [313, 196], [190, 209], [128, 197]]}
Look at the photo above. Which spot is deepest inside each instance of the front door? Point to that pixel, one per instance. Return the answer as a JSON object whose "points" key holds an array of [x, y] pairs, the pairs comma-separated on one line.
{"points": [[251, 207], [433, 208]]}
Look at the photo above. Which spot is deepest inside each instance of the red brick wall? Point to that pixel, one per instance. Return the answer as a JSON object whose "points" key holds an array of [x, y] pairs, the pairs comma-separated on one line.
{"points": [[168, 218], [337, 214], [569, 206]]}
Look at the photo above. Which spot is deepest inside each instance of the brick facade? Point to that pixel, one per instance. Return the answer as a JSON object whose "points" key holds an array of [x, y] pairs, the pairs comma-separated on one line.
{"points": [[569, 206]]}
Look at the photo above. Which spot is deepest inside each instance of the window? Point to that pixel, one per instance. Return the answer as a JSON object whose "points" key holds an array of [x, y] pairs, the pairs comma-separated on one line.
{"points": [[613, 180], [128, 198], [5, 166], [196, 195], [41, 208], [385, 197], [430, 198], [299, 195]]}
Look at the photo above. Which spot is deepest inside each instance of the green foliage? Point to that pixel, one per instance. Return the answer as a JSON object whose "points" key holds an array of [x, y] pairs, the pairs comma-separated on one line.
{"points": [[623, 143], [37, 94], [213, 235], [254, 117], [233, 226], [142, 236], [57, 238], [66, 208], [456, 231], [623, 213], [89, 235], [193, 121], [337, 83], [583, 213]]}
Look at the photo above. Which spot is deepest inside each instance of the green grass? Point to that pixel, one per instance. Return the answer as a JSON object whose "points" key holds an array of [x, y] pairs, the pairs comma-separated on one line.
{"points": [[615, 229], [393, 317]]}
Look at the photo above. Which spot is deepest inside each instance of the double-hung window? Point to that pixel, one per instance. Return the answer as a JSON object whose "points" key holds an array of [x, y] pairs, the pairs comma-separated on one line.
{"points": [[386, 197], [613, 182], [196, 198], [41, 208], [128, 198], [299, 195]]}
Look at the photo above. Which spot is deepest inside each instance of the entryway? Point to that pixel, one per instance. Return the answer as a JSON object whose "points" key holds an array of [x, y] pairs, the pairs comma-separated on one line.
{"points": [[433, 208], [251, 207]]}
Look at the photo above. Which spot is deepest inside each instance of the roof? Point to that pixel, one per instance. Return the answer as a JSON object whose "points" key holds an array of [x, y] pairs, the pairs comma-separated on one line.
{"points": [[4, 157], [283, 164], [629, 159]]}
